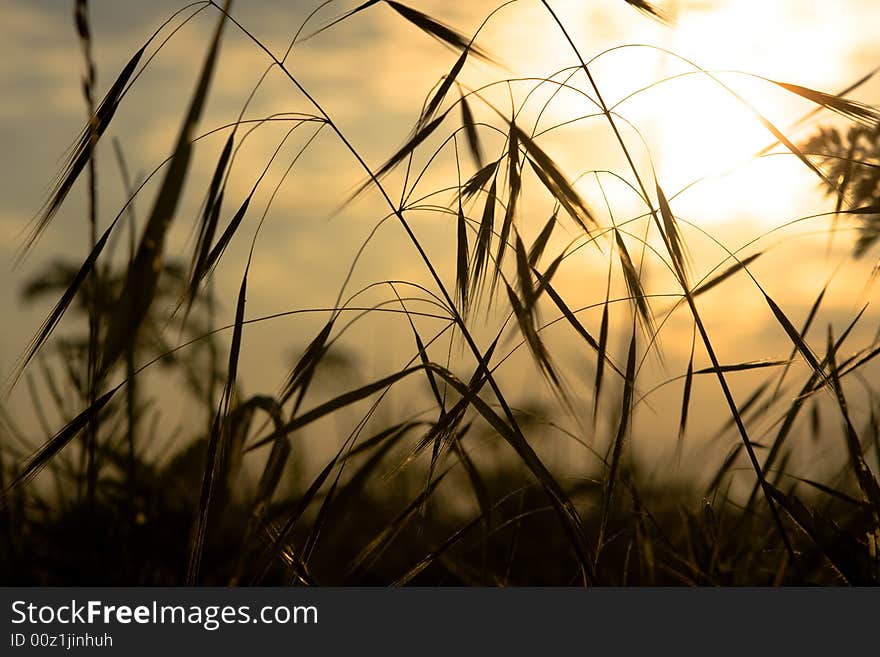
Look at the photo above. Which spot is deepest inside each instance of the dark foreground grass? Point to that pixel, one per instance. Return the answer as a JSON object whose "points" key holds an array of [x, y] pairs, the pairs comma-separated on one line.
{"points": [[408, 497]]}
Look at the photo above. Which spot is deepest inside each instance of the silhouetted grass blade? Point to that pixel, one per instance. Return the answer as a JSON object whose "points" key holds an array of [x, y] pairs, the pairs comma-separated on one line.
{"points": [[600, 361], [727, 273], [218, 249], [304, 370], [375, 547], [673, 237], [524, 273], [867, 482], [514, 180], [443, 431], [525, 320], [338, 402], [742, 367], [60, 440], [63, 304], [216, 452], [850, 558], [816, 379], [724, 468], [140, 284], [481, 491], [365, 5], [803, 333], [338, 501], [477, 181], [278, 541], [443, 89], [617, 447], [569, 315], [686, 399], [484, 240], [432, 381], [564, 507], [463, 260], [83, 150], [634, 284], [545, 278], [208, 226], [438, 552], [650, 9], [421, 134], [555, 181], [540, 243], [436, 29], [795, 337], [273, 470], [852, 110], [470, 131]]}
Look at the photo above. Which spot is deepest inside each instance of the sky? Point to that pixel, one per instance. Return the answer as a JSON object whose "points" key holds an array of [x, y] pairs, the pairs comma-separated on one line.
{"points": [[372, 73]]}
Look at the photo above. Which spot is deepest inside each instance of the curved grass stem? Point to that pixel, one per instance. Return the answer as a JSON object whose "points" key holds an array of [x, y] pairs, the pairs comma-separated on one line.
{"points": [[704, 336]]}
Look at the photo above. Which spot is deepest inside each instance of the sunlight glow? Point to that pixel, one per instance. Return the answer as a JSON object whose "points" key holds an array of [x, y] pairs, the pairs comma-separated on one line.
{"points": [[712, 138], [696, 130], [710, 132]]}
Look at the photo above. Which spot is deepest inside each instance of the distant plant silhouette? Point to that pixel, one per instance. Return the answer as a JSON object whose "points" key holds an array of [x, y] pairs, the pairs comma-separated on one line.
{"points": [[852, 159]]}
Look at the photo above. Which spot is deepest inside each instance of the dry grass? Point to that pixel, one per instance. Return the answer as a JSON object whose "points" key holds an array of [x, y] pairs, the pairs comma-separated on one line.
{"points": [[386, 508]]}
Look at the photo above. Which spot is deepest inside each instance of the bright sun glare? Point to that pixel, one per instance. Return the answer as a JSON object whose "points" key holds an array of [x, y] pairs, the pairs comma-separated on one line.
{"points": [[713, 141], [713, 133], [698, 131]]}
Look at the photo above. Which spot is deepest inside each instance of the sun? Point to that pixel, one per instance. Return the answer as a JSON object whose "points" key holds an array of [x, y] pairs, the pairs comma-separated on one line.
{"points": [[707, 146], [704, 133]]}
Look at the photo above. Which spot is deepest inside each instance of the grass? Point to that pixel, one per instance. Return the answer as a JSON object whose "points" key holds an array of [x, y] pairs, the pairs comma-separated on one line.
{"points": [[465, 489]]}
